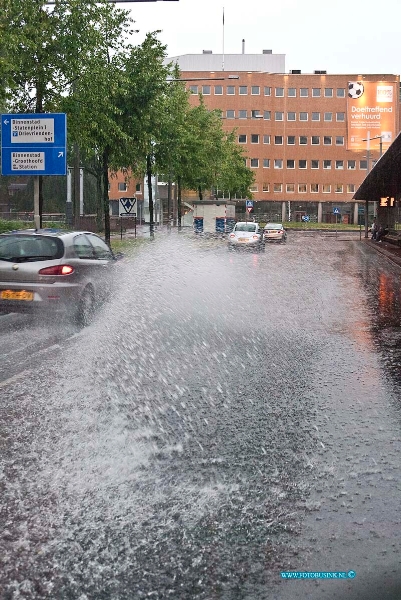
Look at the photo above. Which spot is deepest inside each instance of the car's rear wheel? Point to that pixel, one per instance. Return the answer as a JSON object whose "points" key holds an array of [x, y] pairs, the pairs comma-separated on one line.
{"points": [[86, 308]]}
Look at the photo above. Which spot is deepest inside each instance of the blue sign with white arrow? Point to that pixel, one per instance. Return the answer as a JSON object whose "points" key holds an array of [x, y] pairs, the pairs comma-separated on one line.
{"points": [[34, 144]]}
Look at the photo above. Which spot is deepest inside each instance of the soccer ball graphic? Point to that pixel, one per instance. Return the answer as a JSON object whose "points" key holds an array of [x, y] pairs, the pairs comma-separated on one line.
{"points": [[355, 89]]}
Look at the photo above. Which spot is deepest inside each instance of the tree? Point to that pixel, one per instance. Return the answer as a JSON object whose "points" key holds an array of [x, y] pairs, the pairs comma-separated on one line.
{"points": [[234, 177], [49, 56], [143, 108]]}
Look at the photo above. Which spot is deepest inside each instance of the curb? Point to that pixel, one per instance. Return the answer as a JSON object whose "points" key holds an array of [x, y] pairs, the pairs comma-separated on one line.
{"points": [[393, 255]]}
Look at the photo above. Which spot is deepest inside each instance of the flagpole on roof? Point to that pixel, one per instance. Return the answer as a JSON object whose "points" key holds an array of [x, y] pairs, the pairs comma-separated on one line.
{"points": [[223, 39]]}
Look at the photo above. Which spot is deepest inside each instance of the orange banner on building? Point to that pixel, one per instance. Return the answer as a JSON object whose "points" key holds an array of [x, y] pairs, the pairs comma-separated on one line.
{"points": [[371, 113]]}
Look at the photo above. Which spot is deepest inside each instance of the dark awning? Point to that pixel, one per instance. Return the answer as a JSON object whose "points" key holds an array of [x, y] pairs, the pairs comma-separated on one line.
{"points": [[384, 180]]}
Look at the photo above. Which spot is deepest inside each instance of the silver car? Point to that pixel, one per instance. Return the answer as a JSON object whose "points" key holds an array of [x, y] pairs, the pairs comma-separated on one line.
{"points": [[246, 235], [54, 272], [274, 232]]}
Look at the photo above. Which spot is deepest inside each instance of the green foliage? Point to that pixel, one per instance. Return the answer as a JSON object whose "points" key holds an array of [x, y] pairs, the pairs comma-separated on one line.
{"points": [[13, 225], [124, 109]]}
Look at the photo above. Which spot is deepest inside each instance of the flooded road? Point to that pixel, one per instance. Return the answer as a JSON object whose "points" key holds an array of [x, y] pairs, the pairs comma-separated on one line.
{"points": [[226, 418]]}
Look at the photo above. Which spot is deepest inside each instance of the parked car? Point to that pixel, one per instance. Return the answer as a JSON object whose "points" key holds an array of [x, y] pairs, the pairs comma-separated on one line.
{"points": [[274, 232], [246, 235], [54, 272]]}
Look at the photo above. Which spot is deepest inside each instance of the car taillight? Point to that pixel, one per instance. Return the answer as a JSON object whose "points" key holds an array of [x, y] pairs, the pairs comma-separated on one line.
{"points": [[255, 237], [232, 235], [57, 270]]}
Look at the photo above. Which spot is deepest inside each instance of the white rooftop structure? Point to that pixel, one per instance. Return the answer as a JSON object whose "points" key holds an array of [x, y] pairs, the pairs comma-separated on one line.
{"points": [[266, 62]]}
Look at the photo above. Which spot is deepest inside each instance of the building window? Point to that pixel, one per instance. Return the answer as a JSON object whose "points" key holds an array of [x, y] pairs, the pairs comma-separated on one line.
{"points": [[206, 90], [314, 164], [242, 138], [315, 116], [291, 116], [292, 92], [290, 188], [193, 89], [279, 92], [278, 140], [291, 140], [267, 115], [138, 188], [338, 188], [304, 92], [230, 114], [218, 90], [268, 91], [340, 116], [328, 92], [303, 140], [254, 187], [339, 140], [327, 164], [254, 138], [351, 165], [328, 116], [277, 187], [254, 163], [243, 90], [302, 164], [279, 116], [242, 114], [326, 188], [278, 163], [314, 188], [350, 188], [339, 164], [340, 92], [316, 92], [255, 114], [266, 163], [122, 187], [315, 139], [231, 90], [265, 187], [255, 90], [302, 188], [327, 140], [266, 139], [290, 163], [363, 164], [303, 116]]}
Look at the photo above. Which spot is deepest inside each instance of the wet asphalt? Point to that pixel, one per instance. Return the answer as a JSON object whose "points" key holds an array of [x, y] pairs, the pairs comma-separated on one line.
{"points": [[227, 417]]}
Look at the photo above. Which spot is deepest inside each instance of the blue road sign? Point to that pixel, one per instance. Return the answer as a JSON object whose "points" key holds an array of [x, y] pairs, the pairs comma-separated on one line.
{"points": [[336, 211], [249, 203], [34, 144], [305, 218]]}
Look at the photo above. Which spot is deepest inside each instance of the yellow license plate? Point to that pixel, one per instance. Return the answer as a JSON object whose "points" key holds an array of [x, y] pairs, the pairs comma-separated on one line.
{"points": [[16, 295], [242, 239]]}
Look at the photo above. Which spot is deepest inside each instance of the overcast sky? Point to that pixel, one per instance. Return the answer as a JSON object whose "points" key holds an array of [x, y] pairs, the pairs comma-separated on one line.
{"points": [[346, 36]]}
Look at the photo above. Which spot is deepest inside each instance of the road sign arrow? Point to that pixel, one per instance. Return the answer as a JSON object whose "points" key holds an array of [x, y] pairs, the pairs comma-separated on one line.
{"points": [[60, 154], [6, 121]]}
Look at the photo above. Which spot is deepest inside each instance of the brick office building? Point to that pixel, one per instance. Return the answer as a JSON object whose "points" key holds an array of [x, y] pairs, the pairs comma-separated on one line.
{"points": [[295, 128]]}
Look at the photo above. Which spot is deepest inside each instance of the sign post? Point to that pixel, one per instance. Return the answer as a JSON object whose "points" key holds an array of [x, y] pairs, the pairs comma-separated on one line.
{"points": [[34, 144], [337, 212], [126, 206], [249, 206]]}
